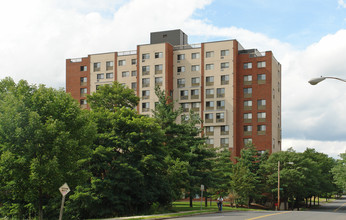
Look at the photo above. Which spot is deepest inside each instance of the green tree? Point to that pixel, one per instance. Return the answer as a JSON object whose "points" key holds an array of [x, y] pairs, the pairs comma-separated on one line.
{"points": [[111, 96], [128, 164], [339, 172], [184, 143], [44, 139]]}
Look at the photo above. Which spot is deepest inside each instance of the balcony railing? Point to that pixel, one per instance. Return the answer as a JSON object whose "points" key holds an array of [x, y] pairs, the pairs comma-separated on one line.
{"points": [[186, 46], [126, 53]]}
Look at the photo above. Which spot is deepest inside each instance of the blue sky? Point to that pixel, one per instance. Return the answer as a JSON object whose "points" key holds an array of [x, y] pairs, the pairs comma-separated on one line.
{"points": [[308, 37], [299, 22]]}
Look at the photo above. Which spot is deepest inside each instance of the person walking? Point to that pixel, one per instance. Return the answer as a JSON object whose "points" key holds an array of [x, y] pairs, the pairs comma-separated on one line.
{"points": [[219, 203]]}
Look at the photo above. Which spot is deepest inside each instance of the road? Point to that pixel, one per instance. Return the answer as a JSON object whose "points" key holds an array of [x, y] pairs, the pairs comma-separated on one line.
{"points": [[330, 211]]}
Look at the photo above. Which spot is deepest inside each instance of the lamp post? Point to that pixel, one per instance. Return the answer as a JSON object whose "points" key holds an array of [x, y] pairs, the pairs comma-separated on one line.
{"points": [[314, 81]]}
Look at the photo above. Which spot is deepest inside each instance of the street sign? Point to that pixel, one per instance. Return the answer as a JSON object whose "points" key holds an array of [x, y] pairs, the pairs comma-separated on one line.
{"points": [[64, 189], [202, 187]]}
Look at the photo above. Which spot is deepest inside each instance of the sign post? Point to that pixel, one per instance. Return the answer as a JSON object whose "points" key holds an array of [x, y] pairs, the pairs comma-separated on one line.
{"points": [[64, 189], [202, 189]]}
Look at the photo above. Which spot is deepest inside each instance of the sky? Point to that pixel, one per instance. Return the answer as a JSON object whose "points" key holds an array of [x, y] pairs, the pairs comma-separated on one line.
{"points": [[308, 38]]}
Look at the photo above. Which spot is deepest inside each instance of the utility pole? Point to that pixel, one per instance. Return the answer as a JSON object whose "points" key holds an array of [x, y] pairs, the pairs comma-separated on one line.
{"points": [[278, 185]]}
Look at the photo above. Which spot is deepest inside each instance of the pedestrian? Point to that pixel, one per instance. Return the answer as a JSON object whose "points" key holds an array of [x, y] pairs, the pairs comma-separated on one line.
{"points": [[219, 203]]}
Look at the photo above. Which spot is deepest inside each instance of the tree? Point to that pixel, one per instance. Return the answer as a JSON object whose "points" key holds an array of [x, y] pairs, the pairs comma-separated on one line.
{"points": [[185, 143], [128, 163], [111, 96], [44, 139], [339, 172]]}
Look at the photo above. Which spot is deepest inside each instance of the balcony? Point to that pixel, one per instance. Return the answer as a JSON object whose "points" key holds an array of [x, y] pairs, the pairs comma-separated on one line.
{"points": [[209, 108], [158, 83], [209, 133], [261, 119], [157, 72], [224, 82], [194, 96], [195, 109], [220, 95], [224, 132], [261, 107], [109, 68], [261, 132], [220, 120], [181, 85], [247, 133], [83, 83], [184, 97], [209, 96], [209, 83], [247, 95], [145, 73], [209, 120], [145, 109], [195, 84]]}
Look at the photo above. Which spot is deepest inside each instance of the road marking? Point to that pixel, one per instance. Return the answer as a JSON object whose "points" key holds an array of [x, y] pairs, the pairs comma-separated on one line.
{"points": [[339, 207], [263, 216]]}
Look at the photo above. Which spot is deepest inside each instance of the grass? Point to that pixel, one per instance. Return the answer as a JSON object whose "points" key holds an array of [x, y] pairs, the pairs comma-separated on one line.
{"points": [[182, 208]]}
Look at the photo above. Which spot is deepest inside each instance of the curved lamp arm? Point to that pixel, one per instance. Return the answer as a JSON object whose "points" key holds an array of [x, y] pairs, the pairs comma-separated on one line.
{"points": [[314, 81]]}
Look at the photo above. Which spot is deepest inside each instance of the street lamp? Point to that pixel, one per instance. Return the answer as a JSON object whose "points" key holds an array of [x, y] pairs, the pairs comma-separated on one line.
{"points": [[314, 81]]}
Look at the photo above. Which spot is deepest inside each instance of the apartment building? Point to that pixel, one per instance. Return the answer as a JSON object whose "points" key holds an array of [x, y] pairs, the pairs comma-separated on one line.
{"points": [[236, 91]]}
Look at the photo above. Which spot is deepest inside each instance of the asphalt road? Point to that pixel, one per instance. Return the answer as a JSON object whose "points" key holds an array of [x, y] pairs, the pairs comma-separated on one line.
{"points": [[329, 211]]}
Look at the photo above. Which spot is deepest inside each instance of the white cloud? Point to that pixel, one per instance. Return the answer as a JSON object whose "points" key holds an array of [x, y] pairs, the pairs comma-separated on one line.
{"points": [[331, 148], [341, 3]]}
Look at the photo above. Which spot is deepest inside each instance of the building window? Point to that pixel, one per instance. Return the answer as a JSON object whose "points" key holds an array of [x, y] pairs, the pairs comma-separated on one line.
{"points": [[210, 142], [261, 103], [209, 130], [125, 74], [195, 106], [184, 94], [224, 130], [181, 83], [209, 105], [100, 76], [133, 62], [158, 55], [195, 68], [247, 105], [145, 94], [209, 80], [181, 57], [261, 129], [145, 56], [83, 81], [145, 70], [97, 67], [209, 118], [158, 81], [83, 102], [224, 53], [261, 116], [109, 75], [109, 65], [224, 142], [145, 82], [248, 78], [248, 128], [134, 86], [209, 54], [181, 69], [121, 62], [194, 55], [158, 69], [209, 93], [220, 105], [261, 77], [247, 141], [224, 79], [134, 73], [224, 65], [261, 64], [220, 117], [247, 65], [83, 68], [185, 107], [83, 92], [247, 117], [220, 92], [145, 106], [194, 93], [195, 81], [185, 118], [247, 92], [209, 66]]}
